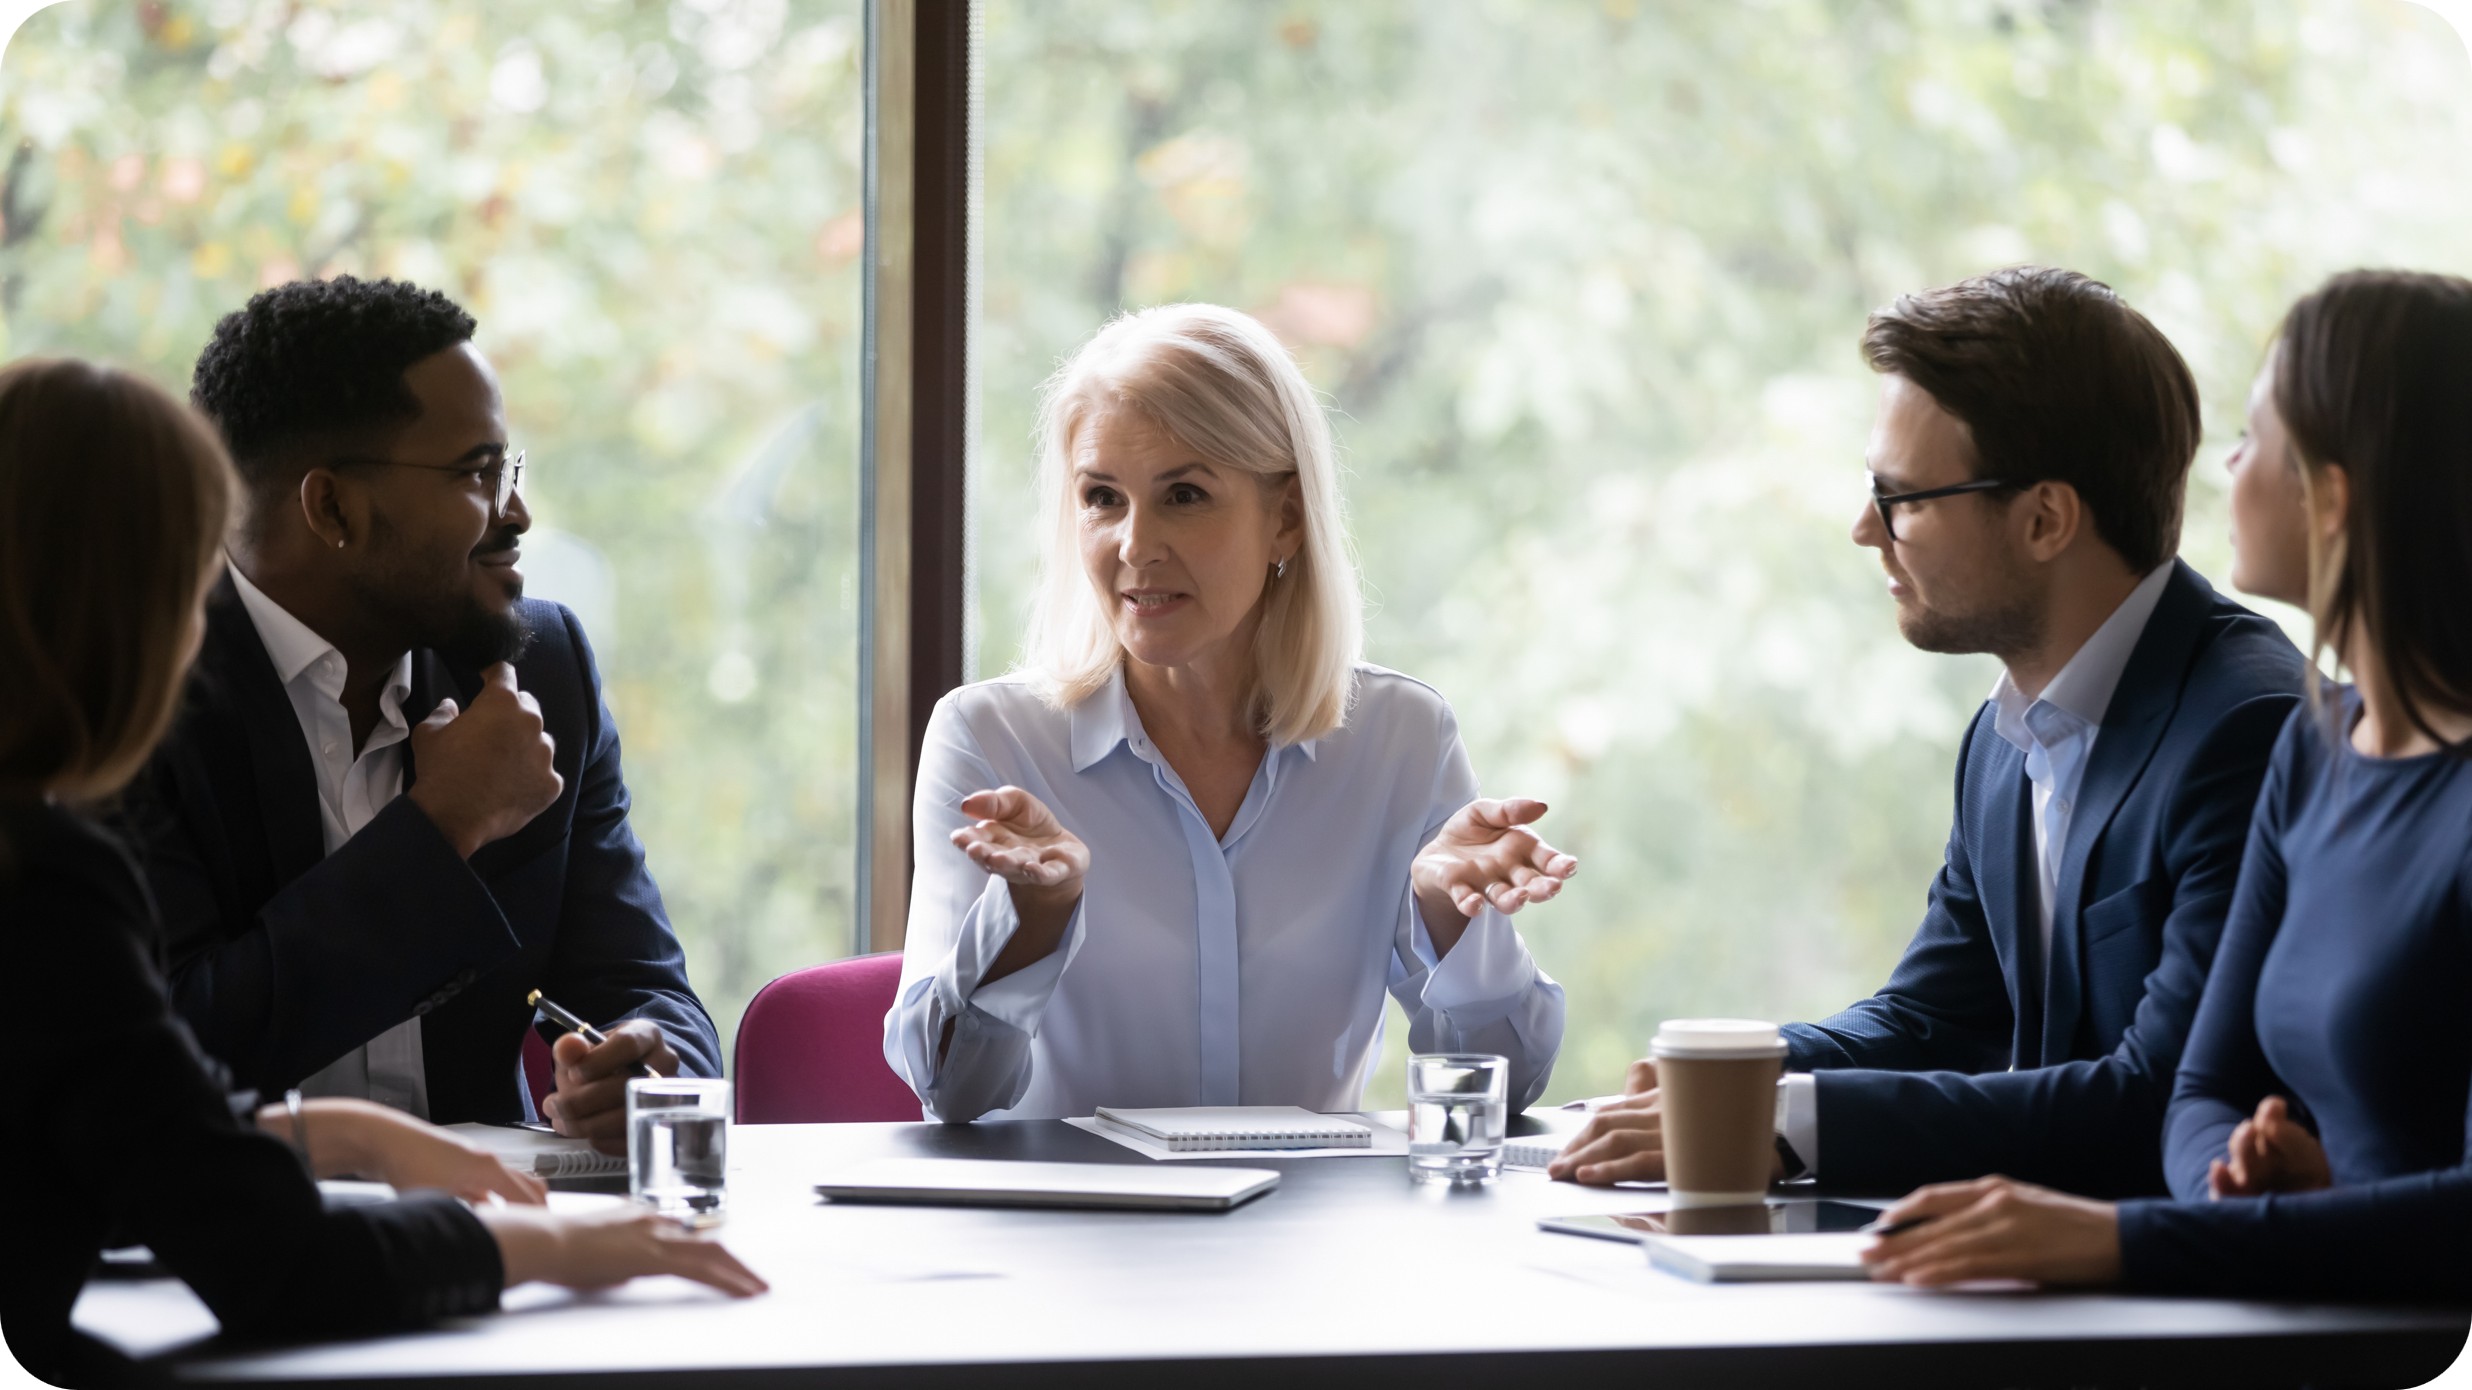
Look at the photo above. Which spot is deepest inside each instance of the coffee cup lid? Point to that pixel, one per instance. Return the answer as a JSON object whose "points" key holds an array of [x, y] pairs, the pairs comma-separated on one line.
{"points": [[1718, 1037]]}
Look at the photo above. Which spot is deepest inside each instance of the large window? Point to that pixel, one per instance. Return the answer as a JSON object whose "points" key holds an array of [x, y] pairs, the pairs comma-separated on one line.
{"points": [[1583, 281], [654, 209]]}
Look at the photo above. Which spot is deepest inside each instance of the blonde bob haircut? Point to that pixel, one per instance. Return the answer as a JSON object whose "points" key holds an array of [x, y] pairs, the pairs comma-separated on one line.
{"points": [[1219, 383]]}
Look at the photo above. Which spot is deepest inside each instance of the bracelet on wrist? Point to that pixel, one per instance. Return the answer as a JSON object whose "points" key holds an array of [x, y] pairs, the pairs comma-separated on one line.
{"points": [[300, 1127]]}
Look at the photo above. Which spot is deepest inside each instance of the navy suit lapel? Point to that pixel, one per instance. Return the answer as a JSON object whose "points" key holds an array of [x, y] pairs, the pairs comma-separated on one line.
{"points": [[2149, 690], [251, 695]]}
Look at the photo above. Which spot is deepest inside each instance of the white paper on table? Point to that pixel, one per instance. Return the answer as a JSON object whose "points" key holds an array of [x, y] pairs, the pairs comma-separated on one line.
{"points": [[1387, 1142]]}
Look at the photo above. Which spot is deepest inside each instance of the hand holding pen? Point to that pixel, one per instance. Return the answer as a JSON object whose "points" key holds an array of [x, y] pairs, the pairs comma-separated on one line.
{"points": [[591, 1069]]}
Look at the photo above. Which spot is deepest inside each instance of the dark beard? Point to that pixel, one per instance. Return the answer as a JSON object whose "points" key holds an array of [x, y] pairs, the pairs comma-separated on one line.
{"points": [[443, 619], [483, 639]]}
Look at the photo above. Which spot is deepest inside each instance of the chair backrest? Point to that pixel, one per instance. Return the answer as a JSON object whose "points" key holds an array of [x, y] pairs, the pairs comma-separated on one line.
{"points": [[539, 1074], [811, 1047]]}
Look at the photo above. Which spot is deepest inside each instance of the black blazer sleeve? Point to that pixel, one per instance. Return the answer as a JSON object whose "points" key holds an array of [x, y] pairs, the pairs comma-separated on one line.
{"points": [[1946, 1005], [361, 940], [138, 1141], [2094, 1125], [616, 956]]}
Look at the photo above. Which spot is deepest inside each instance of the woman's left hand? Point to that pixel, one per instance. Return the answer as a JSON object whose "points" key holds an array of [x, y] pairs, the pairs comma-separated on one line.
{"points": [[1998, 1228], [1482, 855], [406, 1153]]}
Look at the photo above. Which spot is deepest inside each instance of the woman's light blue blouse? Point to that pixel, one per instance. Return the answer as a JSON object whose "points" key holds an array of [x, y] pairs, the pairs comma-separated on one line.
{"points": [[1244, 969]]}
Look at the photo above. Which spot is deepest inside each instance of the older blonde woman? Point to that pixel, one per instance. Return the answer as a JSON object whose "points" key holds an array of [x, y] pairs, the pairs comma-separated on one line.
{"points": [[1196, 839]]}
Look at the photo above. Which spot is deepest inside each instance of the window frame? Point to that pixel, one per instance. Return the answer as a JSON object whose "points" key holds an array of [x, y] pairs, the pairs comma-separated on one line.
{"points": [[921, 194]]}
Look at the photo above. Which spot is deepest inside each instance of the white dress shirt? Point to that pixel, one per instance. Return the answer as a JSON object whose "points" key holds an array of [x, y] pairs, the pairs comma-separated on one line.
{"points": [[1199, 969], [352, 789], [2056, 731]]}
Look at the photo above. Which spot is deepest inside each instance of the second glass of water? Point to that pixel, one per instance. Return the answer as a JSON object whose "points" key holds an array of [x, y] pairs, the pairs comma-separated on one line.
{"points": [[678, 1146], [1458, 1114]]}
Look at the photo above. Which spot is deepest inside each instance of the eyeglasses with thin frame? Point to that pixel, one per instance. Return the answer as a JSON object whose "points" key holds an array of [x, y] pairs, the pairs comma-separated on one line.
{"points": [[504, 474], [1887, 502]]}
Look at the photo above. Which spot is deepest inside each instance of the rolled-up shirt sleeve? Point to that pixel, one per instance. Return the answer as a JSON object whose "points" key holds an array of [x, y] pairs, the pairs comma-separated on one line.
{"points": [[1487, 995], [961, 917]]}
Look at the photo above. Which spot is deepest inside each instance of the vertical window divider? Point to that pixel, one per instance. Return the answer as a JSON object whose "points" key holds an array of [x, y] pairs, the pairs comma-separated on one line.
{"points": [[914, 440]]}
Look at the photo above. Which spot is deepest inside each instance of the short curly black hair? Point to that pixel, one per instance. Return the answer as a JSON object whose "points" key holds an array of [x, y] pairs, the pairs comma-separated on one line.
{"points": [[317, 358]]}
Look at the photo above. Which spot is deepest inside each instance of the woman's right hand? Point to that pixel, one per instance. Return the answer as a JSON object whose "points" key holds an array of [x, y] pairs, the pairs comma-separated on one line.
{"points": [[2270, 1152], [1015, 837], [604, 1248]]}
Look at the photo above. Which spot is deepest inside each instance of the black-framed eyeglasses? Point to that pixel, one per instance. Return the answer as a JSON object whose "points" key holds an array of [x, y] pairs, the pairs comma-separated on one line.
{"points": [[1887, 502], [504, 475]]}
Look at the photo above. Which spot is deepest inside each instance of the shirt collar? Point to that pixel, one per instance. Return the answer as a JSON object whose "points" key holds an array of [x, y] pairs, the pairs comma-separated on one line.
{"points": [[1107, 719], [2083, 688], [294, 647], [1103, 721]]}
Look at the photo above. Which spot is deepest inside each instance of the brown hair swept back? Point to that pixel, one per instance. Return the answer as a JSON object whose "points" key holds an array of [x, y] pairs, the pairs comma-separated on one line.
{"points": [[2058, 381], [113, 500], [2373, 372]]}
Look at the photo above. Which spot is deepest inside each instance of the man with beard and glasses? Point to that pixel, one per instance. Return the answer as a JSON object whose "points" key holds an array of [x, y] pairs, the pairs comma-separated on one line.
{"points": [[2027, 470], [392, 806]]}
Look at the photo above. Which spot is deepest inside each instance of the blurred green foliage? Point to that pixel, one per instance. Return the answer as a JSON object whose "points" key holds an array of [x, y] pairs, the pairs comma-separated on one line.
{"points": [[1581, 277], [654, 210], [1583, 282]]}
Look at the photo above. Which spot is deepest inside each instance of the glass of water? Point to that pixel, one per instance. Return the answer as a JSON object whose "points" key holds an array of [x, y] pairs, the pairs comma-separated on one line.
{"points": [[1458, 1114], [678, 1145]]}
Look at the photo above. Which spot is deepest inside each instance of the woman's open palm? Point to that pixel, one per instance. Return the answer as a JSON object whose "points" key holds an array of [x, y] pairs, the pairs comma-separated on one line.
{"points": [[1015, 837], [1483, 854]]}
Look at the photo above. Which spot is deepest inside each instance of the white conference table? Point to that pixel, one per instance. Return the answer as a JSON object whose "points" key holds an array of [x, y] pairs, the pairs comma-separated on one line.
{"points": [[1346, 1273]]}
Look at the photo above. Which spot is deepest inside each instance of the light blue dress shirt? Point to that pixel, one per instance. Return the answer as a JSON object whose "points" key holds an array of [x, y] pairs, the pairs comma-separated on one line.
{"points": [[2056, 730], [1244, 969]]}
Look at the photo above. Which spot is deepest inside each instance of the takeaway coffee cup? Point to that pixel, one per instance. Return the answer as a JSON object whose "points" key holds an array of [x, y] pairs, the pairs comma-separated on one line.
{"points": [[1718, 1079]]}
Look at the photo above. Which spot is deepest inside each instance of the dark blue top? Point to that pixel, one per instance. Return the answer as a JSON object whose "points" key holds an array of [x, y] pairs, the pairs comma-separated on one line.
{"points": [[2344, 984]]}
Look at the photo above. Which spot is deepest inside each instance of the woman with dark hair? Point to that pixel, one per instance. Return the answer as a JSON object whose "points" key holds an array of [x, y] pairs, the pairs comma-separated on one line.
{"points": [[113, 503], [2317, 1140]]}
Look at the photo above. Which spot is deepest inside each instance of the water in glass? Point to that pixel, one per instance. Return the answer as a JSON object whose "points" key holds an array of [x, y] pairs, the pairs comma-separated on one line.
{"points": [[678, 1144], [1458, 1116], [679, 1157]]}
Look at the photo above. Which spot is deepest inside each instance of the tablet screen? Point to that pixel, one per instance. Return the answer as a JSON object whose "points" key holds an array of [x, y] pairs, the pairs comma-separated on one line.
{"points": [[1766, 1219]]}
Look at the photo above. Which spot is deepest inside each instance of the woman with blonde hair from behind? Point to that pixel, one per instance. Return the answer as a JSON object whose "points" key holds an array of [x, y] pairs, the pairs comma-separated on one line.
{"points": [[1179, 857]]}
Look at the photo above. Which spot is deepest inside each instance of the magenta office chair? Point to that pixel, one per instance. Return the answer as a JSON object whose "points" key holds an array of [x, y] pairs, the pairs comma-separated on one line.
{"points": [[811, 1047], [539, 1070]]}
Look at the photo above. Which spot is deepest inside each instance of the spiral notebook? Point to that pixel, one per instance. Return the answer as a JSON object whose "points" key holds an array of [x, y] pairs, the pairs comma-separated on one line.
{"points": [[1214, 1128], [541, 1153], [1534, 1151]]}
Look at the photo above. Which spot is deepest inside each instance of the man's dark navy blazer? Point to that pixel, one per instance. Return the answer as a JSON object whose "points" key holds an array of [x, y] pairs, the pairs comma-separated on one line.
{"points": [[1911, 1086], [284, 957]]}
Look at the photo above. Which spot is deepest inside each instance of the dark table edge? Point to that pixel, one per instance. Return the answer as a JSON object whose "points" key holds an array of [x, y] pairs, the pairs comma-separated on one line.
{"points": [[2321, 1360]]}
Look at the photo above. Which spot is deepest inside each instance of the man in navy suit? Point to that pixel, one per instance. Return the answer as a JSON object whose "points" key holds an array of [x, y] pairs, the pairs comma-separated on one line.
{"points": [[2028, 464], [392, 806]]}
